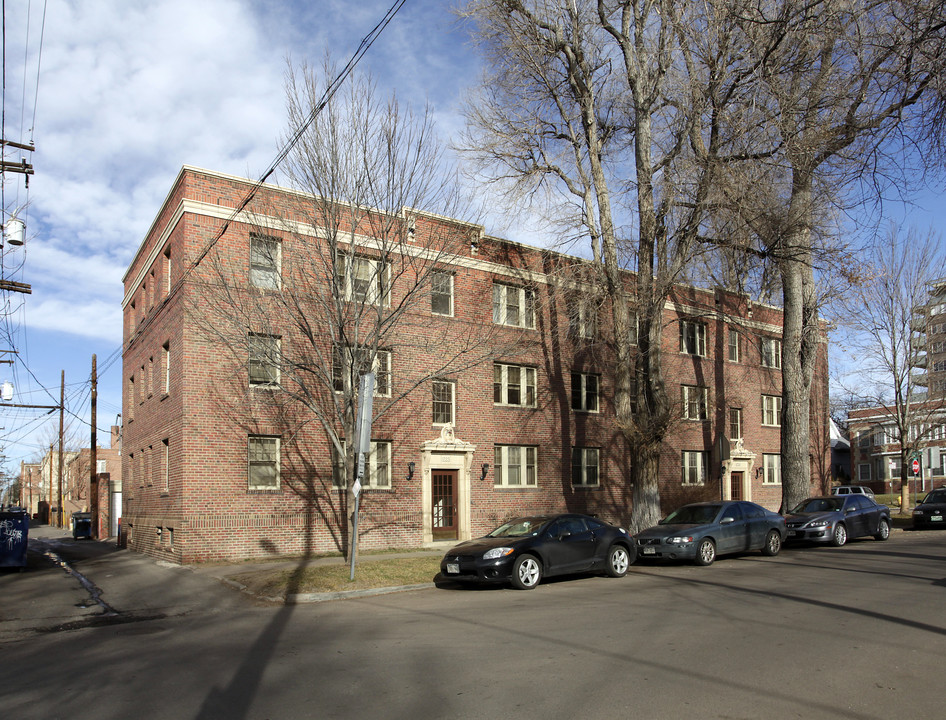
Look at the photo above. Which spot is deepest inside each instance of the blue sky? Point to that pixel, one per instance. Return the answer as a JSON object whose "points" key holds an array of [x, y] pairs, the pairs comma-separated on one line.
{"points": [[117, 98]]}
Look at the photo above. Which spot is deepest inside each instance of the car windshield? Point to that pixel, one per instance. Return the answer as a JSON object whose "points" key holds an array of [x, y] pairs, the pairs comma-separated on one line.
{"points": [[819, 505], [520, 527], [692, 515], [936, 497]]}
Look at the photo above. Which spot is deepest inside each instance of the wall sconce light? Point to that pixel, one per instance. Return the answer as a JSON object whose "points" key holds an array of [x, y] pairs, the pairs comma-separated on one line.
{"points": [[758, 472], [410, 470], [485, 471]]}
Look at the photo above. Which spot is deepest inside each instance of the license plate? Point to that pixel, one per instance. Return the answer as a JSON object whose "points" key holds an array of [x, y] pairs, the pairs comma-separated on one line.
{"points": [[791, 533], [650, 551], [453, 568], [936, 518]]}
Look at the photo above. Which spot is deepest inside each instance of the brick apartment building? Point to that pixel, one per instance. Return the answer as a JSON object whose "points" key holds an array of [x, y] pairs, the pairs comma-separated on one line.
{"points": [[218, 463], [876, 451]]}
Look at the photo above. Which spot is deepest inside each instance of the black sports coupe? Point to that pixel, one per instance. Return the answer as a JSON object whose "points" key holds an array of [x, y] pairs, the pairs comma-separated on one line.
{"points": [[526, 549]]}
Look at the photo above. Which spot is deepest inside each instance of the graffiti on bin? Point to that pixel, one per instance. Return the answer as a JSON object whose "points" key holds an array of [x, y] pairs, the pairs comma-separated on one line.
{"points": [[10, 534]]}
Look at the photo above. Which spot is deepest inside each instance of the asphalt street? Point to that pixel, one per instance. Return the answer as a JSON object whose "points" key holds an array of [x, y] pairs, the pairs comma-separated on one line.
{"points": [[852, 632]]}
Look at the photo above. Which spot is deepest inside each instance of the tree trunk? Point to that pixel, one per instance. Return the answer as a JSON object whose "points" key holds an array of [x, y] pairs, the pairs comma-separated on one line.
{"points": [[799, 345]]}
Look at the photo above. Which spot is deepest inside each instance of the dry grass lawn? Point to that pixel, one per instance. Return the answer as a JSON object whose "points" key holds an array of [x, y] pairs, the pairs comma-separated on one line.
{"points": [[373, 573]]}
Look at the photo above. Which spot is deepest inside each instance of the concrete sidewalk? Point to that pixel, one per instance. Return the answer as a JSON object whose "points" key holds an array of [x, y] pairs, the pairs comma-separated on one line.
{"points": [[124, 566]]}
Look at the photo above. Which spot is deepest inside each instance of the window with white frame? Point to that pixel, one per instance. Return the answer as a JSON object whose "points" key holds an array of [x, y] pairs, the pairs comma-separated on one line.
{"points": [[585, 391], [377, 467], [585, 466], [361, 279], [101, 466], [514, 465], [735, 423], [694, 402], [167, 271], [264, 262], [513, 385], [444, 402], [771, 352], [441, 292], [863, 472], [263, 462], [694, 464], [582, 318], [772, 410], [634, 328], [166, 348], [734, 345], [166, 465], [513, 305], [349, 364], [771, 469], [863, 438], [693, 337], [264, 360]]}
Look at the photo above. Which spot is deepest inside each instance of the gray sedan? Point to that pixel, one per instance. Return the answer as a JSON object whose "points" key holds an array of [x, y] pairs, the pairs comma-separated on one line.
{"points": [[838, 518], [701, 531]]}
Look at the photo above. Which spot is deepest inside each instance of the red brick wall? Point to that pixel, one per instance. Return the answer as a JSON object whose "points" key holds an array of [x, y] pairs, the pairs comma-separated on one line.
{"points": [[206, 511]]}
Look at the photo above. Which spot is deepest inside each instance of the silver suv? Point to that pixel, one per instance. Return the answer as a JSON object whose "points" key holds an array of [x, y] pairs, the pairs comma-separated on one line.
{"points": [[852, 490]]}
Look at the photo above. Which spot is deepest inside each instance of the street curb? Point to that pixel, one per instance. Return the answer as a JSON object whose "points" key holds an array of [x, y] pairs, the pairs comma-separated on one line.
{"points": [[307, 598], [303, 598]]}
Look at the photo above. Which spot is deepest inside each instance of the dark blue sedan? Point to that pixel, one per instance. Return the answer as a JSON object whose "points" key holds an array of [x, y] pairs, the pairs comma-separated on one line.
{"points": [[702, 531], [526, 549]]}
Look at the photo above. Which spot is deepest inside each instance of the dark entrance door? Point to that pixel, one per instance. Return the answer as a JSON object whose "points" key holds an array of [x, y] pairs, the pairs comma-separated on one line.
{"points": [[444, 509], [735, 483]]}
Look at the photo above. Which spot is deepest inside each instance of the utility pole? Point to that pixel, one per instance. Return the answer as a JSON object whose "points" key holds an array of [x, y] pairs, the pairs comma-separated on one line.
{"points": [[62, 404], [93, 475]]}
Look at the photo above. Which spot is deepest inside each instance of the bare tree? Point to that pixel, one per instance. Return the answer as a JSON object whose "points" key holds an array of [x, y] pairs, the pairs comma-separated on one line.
{"points": [[616, 110], [347, 275], [887, 323], [834, 82]]}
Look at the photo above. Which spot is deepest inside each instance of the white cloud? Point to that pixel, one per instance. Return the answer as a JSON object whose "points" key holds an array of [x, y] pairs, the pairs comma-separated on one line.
{"points": [[93, 318]]}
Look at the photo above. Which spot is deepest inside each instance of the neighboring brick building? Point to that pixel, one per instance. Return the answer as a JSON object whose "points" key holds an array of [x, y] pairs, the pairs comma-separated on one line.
{"points": [[211, 472], [876, 453], [108, 471]]}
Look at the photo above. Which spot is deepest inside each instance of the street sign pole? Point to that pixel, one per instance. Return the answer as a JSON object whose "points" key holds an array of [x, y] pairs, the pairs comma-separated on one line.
{"points": [[915, 466], [362, 448]]}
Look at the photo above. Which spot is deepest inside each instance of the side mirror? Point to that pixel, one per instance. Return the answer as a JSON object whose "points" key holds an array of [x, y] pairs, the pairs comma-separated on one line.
{"points": [[726, 521]]}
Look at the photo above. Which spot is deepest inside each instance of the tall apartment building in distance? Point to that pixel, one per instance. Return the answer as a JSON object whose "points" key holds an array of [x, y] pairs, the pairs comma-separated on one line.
{"points": [[493, 394]]}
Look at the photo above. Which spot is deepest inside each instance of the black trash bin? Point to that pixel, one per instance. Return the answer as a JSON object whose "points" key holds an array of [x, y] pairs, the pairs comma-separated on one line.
{"points": [[81, 525], [14, 536]]}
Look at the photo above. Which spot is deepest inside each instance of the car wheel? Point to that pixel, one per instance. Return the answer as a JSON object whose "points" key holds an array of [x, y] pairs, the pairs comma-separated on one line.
{"points": [[618, 561], [526, 572], [839, 537], [773, 543], [705, 552], [883, 531]]}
